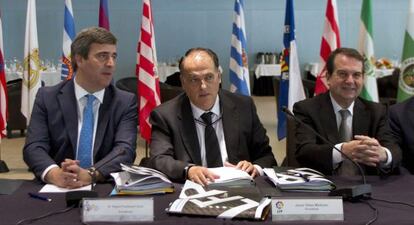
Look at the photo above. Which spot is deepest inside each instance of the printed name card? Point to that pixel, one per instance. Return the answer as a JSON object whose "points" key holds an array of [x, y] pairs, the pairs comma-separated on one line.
{"points": [[117, 210], [304, 208]]}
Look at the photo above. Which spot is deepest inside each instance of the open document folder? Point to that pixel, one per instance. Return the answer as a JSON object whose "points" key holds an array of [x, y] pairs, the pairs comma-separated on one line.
{"points": [[137, 180], [299, 179], [197, 201], [230, 177]]}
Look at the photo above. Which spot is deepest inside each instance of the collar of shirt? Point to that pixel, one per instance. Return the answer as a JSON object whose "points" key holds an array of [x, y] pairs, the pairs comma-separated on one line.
{"points": [[337, 107], [197, 112], [338, 116], [80, 92]]}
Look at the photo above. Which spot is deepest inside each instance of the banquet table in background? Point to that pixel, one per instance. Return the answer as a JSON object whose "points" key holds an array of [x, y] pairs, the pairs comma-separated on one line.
{"points": [[165, 70], [48, 77], [396, 188], [262, 81]]}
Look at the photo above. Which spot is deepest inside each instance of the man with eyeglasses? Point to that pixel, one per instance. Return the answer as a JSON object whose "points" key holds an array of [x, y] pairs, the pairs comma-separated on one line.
{"points": [[82, 129], [357, 127], [206, 126]]}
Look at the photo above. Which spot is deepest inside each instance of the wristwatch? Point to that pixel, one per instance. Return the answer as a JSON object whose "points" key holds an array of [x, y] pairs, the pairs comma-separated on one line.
{"points": [[92, 173], [186, 169]]}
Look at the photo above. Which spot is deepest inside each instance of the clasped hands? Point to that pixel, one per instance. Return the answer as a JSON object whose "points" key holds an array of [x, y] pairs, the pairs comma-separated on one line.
{"points": [[365, 150], [201, 175], [69, 175]]}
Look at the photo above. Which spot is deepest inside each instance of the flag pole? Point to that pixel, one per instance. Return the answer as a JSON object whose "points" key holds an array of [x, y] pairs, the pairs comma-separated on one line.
{"points": [[3, 165]]}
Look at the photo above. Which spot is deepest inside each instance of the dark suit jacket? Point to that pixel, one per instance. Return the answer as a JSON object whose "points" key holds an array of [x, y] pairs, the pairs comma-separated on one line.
{"points": [[401, 120], [369, 119], [174, 143], [53, 130]]}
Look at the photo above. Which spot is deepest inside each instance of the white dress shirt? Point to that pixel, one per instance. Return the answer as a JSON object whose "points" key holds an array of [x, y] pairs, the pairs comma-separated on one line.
{"points": [[81, 99], [336, 156], [218, 127]]}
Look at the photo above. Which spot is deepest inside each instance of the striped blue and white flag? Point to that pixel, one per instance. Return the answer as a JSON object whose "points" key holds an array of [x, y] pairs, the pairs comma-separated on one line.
{"points": [[291, 87], [239, 69], [68, 36]]}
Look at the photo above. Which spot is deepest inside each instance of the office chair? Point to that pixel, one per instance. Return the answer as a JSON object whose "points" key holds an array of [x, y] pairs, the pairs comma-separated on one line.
{"points": [[16, 120], [169, 92]]}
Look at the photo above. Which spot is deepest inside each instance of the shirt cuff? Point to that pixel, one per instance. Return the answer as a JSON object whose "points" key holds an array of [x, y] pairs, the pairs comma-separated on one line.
{"points": [[46, 171], [336, 156], [389, 159], [259, 169]]}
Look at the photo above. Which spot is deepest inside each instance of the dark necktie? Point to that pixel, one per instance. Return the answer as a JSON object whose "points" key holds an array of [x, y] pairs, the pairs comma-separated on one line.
{"points": [[345, 134], [86, 135], [212, 146]]}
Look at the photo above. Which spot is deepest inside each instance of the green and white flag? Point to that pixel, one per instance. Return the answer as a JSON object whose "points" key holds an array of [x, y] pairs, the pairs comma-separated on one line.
{"points": [[366, 47], [406, 83]]}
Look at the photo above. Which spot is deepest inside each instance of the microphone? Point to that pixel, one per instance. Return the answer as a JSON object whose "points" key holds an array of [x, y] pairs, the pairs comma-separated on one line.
{"points": [[352, 193], [74, 197]]}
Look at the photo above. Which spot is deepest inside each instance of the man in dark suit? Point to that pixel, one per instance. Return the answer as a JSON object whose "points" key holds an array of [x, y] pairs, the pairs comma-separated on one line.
{"points": [[181, 146], [357, 127], [83, 123], [402, 129]]}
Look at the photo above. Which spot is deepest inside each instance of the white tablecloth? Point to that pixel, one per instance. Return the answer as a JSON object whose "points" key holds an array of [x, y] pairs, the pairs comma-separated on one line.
{"points": [[267, 70], [313, 68], [166, 70], [49, 77]]}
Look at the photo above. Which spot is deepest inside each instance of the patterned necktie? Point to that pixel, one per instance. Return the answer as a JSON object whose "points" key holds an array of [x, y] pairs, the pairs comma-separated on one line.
{"points": [[213, 153], [86, 134], [347, 168]]}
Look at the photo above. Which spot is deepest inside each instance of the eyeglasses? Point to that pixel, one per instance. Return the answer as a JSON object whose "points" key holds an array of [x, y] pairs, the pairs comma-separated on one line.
{"points": [[105, 56], [344, 74]]}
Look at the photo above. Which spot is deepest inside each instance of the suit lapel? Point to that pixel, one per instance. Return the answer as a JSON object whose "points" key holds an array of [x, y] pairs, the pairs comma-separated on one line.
{"points": [[361, 119], [103, 119], [230, 122], [68, 104], [328, 116], [187, 127]]}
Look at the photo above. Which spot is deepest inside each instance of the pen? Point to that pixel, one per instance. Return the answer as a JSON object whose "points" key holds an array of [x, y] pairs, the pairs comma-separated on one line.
{"points": [[33, 195]]}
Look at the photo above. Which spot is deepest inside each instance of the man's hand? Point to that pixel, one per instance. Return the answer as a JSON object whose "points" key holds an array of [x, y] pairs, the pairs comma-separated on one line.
{"points": [[245, 166], [72, 166], [69, 175], [201, 175], [61, 178], [365, 150]]}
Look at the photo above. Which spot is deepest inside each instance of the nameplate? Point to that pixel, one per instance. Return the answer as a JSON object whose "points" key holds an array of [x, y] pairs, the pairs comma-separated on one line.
{"points": [[117, 210], [303, 208]]}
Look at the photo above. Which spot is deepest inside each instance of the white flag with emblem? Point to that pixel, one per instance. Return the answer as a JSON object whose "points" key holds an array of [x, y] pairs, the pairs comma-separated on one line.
{"points": [[31, 72]]}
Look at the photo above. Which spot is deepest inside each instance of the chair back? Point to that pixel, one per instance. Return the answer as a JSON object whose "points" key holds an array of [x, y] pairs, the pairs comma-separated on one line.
{"points": [[16, 120], [291, 143], [169, 92], [128, 84]]}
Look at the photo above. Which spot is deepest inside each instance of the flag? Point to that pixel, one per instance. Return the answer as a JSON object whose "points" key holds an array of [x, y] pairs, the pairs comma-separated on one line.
{"points": [[239, 69], [146, 70], [366, 47], [291, 87], [103, 14], [406, 83], [330, 42], [3, 88], [31, 62], [68, 36]]}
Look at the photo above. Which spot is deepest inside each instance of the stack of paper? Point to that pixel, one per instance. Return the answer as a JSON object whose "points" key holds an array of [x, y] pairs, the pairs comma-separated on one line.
{"points": [[230, 176], [299, 179], [195, 200], [136, 180]]}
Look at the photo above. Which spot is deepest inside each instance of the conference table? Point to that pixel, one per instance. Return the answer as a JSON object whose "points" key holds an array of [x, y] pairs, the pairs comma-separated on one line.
{"points": [[19, 205]]}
